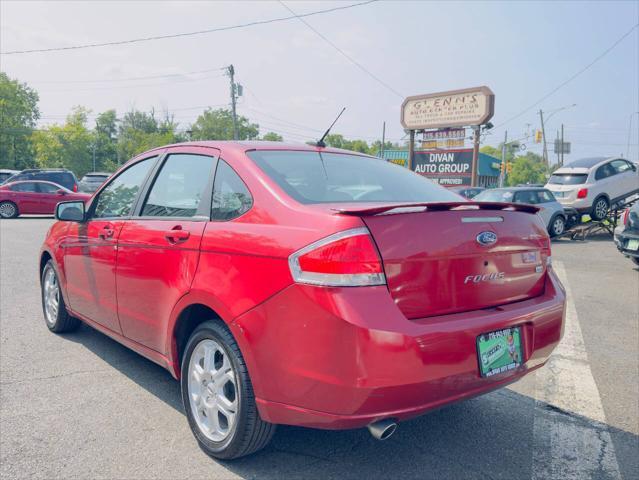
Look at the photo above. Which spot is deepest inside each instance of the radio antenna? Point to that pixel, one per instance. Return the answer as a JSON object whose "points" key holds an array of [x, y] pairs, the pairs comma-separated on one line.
{"points": [[320, 142]]}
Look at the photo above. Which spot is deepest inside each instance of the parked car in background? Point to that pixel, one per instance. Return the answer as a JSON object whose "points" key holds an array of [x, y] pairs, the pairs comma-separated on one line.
{"points": [[593, 185], [299, 285], [6, 173], [92, 181], [627, 233], [551, 211], [61, 176], [34, 197], [467, 192]]}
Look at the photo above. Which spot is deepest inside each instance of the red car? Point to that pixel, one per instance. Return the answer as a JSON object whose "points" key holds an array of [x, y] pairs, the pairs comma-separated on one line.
{"points": [[34, 197], [299, 285]]}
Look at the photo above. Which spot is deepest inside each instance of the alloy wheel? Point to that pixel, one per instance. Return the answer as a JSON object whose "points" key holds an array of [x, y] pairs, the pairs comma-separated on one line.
{"points": [[558, 226], [212, 389], [51, 293], [7, 210], [601, 209]]}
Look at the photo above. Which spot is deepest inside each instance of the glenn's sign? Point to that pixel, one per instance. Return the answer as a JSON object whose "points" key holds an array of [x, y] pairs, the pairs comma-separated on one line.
{"points": [[456, 108], [446, 167]]}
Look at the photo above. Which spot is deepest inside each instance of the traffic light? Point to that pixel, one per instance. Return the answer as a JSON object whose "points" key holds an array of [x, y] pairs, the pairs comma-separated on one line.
{"points": [[502, 168], [509, 167], [538, 136]]}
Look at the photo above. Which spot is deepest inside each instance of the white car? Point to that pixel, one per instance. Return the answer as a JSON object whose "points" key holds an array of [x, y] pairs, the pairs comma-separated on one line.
{"points": [[592, 185]]}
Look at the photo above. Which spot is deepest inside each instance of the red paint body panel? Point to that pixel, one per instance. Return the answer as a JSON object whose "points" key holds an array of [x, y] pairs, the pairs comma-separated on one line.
{"points": [[327, 357], [152, 274]]}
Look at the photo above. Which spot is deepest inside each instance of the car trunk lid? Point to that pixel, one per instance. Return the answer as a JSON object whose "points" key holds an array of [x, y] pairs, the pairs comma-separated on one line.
{"points": [[438, 258]]}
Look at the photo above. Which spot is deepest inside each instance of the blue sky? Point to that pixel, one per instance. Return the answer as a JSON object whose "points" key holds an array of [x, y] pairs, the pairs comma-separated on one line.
{"points": [[295, 83]]}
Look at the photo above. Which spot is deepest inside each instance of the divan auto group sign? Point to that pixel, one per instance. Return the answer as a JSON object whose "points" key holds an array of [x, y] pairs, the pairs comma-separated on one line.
{"points": [[446, 167]]}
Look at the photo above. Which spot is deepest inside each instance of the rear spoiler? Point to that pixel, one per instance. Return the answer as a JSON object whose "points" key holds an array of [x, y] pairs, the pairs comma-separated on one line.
{"points": [[438, 207]]}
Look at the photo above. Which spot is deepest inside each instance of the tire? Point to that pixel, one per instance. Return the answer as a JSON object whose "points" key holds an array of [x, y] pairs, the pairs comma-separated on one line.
{"points": [[214, 379], [56, 316], [557, 226], [8, 210], [635, 260], [600, 208]]}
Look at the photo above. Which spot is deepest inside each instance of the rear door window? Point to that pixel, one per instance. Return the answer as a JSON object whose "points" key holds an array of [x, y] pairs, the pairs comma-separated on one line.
{"points": [[24, 187], [48, 187], [605, 171], [568, 178], [311, 177], [529, 197], [545, 196], [231, 196], [180, 187]]}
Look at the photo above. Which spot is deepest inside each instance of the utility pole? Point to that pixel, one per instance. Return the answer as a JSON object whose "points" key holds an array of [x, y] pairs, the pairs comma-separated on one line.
{"points": [[473, 170], [562, 145], [411, 148], [543, 135], [381, 148], [231, 72], [502, 170], [557, 152]]}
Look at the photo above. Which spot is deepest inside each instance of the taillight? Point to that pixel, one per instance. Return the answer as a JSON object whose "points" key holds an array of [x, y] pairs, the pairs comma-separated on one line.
{"points": [[75, 187], [345, 259], [624, 216], [582, 193]]}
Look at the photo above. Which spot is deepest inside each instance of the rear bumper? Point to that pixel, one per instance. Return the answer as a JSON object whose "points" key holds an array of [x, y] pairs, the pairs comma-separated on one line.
{"points": [[622, 241], [340, 358]]}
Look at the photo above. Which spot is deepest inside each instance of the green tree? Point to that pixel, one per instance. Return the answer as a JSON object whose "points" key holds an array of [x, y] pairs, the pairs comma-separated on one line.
{"points": [[272, 137], [105, 141], [68, 145], [338, 141], [140, 131], [218, 125], [18, 116], [528, 168]]}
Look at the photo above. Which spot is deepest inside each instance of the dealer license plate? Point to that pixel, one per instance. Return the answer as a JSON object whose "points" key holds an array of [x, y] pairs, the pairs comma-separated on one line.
{"points": [[499, 351], [632, 245]]}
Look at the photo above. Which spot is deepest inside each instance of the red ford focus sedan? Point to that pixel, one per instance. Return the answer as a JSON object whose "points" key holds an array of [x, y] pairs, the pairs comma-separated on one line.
{"points": [[34, 197], [292, 284]]}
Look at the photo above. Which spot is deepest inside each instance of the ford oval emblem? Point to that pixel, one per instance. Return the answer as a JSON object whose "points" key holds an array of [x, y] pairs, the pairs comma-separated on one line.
{"points": [[486, 238]]}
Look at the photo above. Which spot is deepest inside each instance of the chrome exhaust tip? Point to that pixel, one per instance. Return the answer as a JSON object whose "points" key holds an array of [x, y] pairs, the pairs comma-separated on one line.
{"points": [[382, 429]]}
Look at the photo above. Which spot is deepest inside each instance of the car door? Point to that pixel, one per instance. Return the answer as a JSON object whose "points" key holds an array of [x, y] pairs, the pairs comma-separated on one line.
{"points": [[627, 178], [25, 196], [49, 196], [605, 177], [159, 248], [90, 249]]}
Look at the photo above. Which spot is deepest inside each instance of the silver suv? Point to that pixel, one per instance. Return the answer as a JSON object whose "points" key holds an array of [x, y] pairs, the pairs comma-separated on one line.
{"points": [[592, 185], [551, 211]]}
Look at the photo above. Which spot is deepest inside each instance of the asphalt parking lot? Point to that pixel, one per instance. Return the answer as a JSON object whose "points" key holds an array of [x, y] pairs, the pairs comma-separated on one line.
{"points": [[83, 406]]}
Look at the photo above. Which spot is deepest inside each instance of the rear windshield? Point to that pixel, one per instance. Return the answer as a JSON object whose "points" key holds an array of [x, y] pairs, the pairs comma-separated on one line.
{"points": [[309, 177], [568, 178], [494, 196]]}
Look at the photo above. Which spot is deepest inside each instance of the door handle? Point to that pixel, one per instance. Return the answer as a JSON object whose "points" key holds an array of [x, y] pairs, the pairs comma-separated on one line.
{"points": [[106, 232], [177, 235]]}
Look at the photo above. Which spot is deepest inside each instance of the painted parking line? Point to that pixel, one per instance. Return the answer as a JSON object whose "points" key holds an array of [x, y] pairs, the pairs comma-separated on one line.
{"points": [[571, 437]]}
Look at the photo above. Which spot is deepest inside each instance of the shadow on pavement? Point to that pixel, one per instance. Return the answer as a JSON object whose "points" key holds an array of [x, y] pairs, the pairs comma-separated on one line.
{"points": [[486, 437]]}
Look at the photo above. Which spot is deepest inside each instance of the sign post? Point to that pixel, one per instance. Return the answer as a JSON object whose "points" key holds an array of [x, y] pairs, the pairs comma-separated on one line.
{"points": [[455, 108]]}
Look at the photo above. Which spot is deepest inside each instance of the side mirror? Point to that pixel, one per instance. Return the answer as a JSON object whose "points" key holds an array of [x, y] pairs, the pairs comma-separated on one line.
{"points": [[61, 192], [70, 211]]}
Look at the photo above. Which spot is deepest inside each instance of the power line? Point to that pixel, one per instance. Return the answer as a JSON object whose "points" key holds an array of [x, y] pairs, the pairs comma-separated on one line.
{"points": [[105, 80], [561, 85], [348, 57], [186, 34]]}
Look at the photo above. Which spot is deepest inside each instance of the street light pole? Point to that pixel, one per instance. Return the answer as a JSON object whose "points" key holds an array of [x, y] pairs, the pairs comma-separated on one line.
{"points": [[630, 134]]}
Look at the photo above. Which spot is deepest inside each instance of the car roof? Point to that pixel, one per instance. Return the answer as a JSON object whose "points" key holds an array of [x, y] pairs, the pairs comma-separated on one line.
{"points": [[35, 181], [517, 189], [45, 170], [248, 145], [588, 162], [95, 174]]}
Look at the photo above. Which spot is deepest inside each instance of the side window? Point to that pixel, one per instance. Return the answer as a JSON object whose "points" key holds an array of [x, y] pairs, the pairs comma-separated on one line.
{"points": [[620, 166], [24, 187], [48, 187], [605, 171], [116, 200], [231, 197], [526, 197], [179, 187], [545, 196]]}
